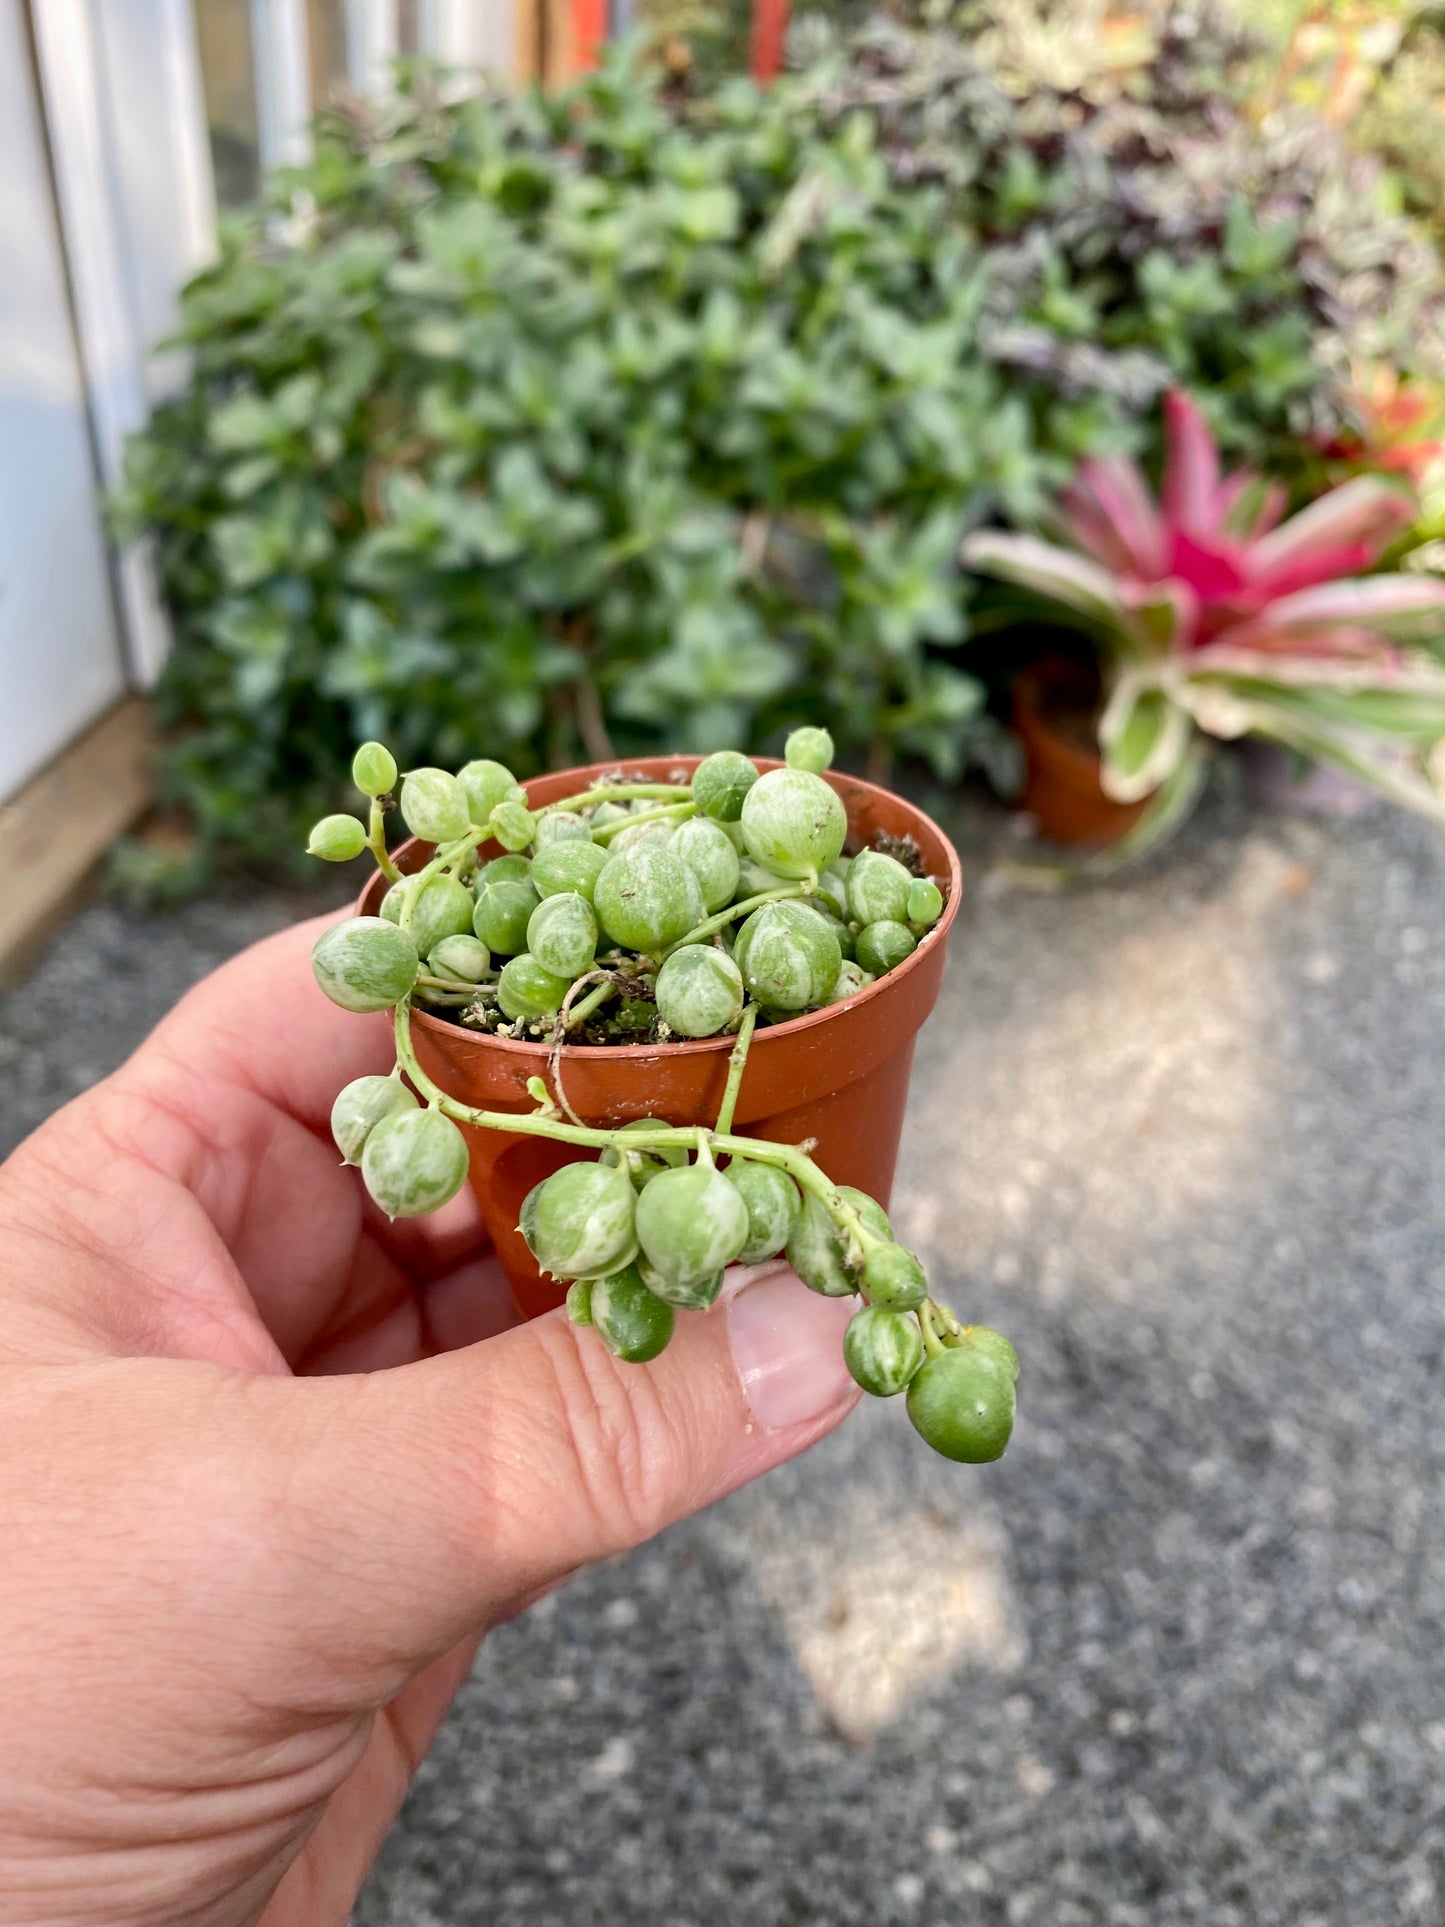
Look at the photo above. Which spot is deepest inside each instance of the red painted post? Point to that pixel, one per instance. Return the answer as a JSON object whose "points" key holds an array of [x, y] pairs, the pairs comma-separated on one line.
{"points": [[589, 32], [770, 26]]}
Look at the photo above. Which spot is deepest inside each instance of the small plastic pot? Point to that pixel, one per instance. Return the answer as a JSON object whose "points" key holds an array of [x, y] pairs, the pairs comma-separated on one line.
{"points": [[838, 1076], [1063, 790]]}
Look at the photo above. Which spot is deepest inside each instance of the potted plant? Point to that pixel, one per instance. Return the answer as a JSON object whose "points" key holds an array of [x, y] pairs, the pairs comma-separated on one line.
{"points": [[663, 1015], [1213, 617]]}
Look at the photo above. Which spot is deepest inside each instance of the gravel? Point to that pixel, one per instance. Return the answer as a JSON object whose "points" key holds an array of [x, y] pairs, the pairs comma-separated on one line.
{"points": [[1180, 1657]]}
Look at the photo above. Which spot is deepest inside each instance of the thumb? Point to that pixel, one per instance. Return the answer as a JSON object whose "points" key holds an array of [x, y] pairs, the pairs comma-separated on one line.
{"points": [[449, 1491]]}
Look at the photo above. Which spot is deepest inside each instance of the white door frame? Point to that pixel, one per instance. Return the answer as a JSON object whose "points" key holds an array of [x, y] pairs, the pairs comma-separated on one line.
{"points": [[81, 116]]}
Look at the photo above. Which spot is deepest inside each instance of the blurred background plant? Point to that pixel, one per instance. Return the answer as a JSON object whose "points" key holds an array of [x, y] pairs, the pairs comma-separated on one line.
{"points": [[651, 413]]}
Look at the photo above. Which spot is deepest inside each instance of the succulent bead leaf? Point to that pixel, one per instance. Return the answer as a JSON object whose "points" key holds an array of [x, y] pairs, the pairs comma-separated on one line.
{"points": [[962, 1403], [721, 782], [690, 1224], [789, 956], [632, 1322], [359, 1108], [793, 822], [699, 991], [773, 1207], [882, 1350], [434, 805], [562, 934], [647, 898], [365, 963], [414, 1162], [582, 1221], [569, 865], [877, 888], [486, 785]]}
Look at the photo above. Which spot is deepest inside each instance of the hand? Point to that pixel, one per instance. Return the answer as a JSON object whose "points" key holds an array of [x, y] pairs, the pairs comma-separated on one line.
{"points": [[274, 1466]]}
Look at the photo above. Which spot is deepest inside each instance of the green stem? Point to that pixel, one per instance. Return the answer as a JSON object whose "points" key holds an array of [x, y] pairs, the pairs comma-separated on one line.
{"points": [[737, 1063], [376, 843], [615, 793], [664, 1137], [674, 813], [932, 1343], [580, 1012], [734, 911], [444, 857]]}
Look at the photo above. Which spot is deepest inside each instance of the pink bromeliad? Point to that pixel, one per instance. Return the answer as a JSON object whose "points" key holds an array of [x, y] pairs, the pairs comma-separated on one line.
{"points": [[1215, 613]]}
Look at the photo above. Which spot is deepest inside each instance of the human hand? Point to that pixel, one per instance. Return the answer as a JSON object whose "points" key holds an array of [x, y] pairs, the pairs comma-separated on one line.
{"points": [[274, 1466]]}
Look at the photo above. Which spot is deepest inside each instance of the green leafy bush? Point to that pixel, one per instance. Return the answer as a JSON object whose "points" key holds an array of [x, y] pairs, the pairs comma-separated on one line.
{"points": [[619, 421]]}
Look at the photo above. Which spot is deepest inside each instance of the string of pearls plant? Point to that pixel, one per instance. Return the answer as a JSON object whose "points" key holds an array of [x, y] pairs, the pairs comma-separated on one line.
{"points": [[650, 910]]}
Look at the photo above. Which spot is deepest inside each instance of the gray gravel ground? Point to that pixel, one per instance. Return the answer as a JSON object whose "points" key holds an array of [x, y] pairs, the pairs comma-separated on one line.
{"points": [[1180, 1658]]}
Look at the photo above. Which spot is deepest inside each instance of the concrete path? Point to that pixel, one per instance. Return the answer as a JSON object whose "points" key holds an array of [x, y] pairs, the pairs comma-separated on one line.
{"points": [[1180, 1658]]}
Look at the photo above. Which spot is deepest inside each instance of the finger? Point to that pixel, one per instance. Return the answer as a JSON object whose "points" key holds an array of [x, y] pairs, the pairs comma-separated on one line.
{"points": [[439, 1493], [322, 1883]]}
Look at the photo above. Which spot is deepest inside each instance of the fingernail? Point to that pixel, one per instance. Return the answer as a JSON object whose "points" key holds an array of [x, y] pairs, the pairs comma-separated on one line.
{"points": [[788, 1347]]}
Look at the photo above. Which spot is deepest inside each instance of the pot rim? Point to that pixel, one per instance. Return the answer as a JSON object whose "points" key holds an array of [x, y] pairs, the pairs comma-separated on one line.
{"points": [[646, 767]]}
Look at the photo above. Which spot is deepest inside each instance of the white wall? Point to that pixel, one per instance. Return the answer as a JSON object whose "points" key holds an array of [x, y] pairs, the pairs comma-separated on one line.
{"points": [[60, 656]]}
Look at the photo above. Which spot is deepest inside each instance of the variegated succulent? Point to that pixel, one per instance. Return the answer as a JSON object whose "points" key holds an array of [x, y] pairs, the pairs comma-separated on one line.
{"points": [[1215, 614]]}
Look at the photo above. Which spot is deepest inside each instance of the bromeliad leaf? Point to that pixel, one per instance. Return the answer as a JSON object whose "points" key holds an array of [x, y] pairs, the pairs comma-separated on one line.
{"points": [[1144, 735]]}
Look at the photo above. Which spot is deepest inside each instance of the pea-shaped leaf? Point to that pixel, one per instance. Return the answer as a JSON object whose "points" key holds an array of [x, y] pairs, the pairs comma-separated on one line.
{"points": [[365, 963], [925, 904], [709, 852], [373, 769], [632, 1322], [503, 909], [562, 934], [793, 822], [581, 1221], [699, 991], [877, 888], [359, 1108], [526, 988], [721, 781], [773, 1207], [883, 946], [808, 748], [962, 1404], [414, 1162], [646, 898], [893, 1278], [561, 826], [788, 955], [440, 907], [434, 805], [465, 958], [690, 1224], [486, 785], [336, 839], [568, 865], [816, 1250], [882, 1350]]}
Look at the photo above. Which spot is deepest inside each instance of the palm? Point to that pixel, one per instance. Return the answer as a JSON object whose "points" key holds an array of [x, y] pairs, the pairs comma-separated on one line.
{"points": [[238, 1239]]}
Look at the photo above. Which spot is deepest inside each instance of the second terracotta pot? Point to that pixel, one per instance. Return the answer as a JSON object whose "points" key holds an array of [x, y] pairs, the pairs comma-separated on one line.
{"points": [[838, 1076], [1063, 791]]}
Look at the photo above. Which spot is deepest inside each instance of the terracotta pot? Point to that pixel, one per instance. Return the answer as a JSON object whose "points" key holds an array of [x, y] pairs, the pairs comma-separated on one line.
{"points": [[1062, 788], [838, 1076]]}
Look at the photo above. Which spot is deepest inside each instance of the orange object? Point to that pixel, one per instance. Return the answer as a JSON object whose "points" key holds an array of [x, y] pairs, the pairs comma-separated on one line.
{"points": [[838, 1076], [589, 32], [770, 28], [1062, 789]]}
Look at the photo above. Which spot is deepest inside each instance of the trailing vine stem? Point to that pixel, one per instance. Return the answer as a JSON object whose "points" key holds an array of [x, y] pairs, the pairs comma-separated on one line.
{"points": [[737, 1064], [731, 914], [616, 793], [663, 1137]]}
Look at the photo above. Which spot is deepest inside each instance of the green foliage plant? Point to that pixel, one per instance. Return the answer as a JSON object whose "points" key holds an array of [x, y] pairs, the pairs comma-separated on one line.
{"points": [[648, 1230]]}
